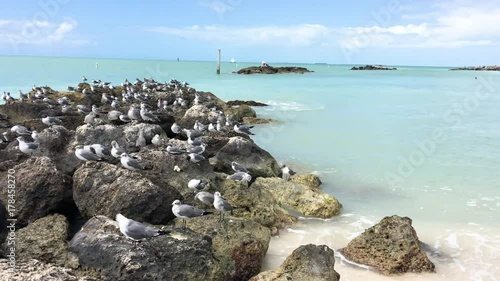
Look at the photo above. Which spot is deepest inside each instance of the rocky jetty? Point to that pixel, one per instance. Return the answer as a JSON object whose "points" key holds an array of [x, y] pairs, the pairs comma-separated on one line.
{"points": [[479, 68], [372, 67], [243, 102], [390, 247], [272, 70], [142, 144]]}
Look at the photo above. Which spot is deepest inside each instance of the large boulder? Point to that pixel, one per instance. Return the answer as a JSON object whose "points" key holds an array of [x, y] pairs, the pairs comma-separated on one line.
{"points": [[237, 113], [40, 187], [244, 151], [100, 246], [308, 262], [239, 245], [256, 204], [34, 270], [54, 143], [44, 240], [391, 247], [198, 112], [3, 222], [105, 189], [310, 180], [307, 200]]}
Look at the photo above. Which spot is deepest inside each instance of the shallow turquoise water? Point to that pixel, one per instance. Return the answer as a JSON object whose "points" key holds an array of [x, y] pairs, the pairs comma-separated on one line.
{"points": [[417, 142]]}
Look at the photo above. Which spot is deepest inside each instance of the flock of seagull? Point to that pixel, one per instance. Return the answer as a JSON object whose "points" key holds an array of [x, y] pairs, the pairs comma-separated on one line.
{"points": [[138, 96]]}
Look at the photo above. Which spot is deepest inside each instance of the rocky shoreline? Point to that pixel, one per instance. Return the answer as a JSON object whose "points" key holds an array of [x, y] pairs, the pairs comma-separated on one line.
{"points": [[272, 70], [65, 206]]}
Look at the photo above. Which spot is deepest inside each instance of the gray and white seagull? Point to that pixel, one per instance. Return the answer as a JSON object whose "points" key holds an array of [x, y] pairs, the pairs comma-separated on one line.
{"points": [[135, 230], [222, 205], [27, 147], [185, 211], [130, 163], [237, 167], [85, 155]]}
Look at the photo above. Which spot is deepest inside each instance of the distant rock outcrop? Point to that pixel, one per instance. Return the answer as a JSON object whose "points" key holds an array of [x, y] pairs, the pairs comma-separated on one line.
{"points": [[243, 102], [272, 70], [373, 67], [479, 68], [391, 247]]}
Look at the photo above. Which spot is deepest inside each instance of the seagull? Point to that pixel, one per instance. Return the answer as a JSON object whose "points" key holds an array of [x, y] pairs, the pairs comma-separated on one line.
{"points": [[148, 116], [20, 130], [238, 167], [205, 197], [84, 78], [220, 127], [85, 155], [130, 163], [197, 149], [156, 140], [114, 115], [192, 133], [97, 110], [176, 129], [195, 158], [124, 118], [243, 129], [212, 128], [90, 118], [99, 150], [240, 176], [135, 230], [27, 147], [196, 185], [175, 149], [116, 150], [83, 108], [66, 109], [221, 204], [198, 126], [49, 120], [134, 113], [185, 211], [115, 104], [141, 140], [34, 135], [286, 172], [194, 142]]}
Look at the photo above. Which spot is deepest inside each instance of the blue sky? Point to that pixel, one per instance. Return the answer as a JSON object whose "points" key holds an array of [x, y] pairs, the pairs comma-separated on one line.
{"points": [[404, 32]]}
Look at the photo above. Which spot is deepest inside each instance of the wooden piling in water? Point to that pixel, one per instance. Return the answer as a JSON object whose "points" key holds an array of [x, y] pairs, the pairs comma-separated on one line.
{"points": [[218, 62]]}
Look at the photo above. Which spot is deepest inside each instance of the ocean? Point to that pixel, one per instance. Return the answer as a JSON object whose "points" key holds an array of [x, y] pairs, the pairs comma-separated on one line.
{"points": [[421, 142]]}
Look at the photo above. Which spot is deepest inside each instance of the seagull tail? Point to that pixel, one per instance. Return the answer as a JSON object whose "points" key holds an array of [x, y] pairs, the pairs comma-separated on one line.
{"points": [[163, 232], [205, 212]]}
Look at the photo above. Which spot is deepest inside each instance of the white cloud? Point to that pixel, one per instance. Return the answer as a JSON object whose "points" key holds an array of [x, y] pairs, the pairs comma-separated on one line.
{"points": [[296, 35], [447, 24], [24, 32]]}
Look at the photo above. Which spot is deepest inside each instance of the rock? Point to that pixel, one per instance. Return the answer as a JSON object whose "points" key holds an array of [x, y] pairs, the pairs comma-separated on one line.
{"points": [[239, 246], [372, 67], [310, 180], [310, 201], [244, 151], [255, 120], [241, 102], [34, 270], [44, 240], [105, 189], [256, 204], [3, 222], [196, 112], [272, 70], [40, 189], [240, 112], [101, 247], [308, 262], [54, 143], [391, 247]]}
